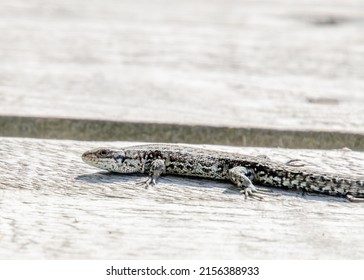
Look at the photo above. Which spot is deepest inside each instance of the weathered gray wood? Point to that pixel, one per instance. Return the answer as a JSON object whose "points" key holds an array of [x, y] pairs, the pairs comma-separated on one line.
{"points": [[293, 66], [54, 206], [272, 64]]}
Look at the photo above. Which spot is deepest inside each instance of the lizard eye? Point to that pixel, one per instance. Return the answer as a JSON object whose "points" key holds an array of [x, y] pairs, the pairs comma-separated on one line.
{"points": [[103, 152]]}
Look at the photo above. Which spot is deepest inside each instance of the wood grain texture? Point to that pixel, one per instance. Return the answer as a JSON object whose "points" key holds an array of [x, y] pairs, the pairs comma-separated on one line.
{"points": [[54, 206], [263, 64]]}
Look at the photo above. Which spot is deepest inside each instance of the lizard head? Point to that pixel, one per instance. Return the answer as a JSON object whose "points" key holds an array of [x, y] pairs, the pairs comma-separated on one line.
{"points": [[121, 161]]}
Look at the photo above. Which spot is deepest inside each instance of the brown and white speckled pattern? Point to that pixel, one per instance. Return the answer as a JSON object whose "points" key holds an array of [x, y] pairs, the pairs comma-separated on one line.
{"points": [[196, 162]]}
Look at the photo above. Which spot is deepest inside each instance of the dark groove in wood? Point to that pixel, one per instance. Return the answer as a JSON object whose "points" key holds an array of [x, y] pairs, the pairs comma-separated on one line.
{"points": [[103, 130]]}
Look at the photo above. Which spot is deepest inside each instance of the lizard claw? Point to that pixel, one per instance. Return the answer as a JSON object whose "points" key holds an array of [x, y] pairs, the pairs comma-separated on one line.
{"points": [[146, 182], [252, 192]]}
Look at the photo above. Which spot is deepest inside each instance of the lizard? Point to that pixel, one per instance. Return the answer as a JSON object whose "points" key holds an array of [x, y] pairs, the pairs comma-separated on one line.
{"points": [[242, 170]]}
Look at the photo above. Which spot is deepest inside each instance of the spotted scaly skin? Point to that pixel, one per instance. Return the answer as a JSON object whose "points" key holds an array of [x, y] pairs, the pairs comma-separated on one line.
{"points": [[244, 171]]}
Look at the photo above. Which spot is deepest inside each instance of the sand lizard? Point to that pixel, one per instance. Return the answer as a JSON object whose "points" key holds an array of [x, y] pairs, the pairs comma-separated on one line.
{"points": [[243, 171]]}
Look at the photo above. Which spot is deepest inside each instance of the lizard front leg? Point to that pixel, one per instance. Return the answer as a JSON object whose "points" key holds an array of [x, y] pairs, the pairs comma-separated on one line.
{"points": [[241, 177], [157, 168]]}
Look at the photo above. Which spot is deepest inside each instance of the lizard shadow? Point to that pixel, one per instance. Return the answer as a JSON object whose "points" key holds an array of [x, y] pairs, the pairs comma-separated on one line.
{"points": [[272, 192], [107, 177], [114, 177], [193, 182]]}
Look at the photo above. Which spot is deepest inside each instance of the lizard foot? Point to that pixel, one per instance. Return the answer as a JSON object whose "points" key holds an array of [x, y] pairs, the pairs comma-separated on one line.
{"points": [[150, 181], [354, 199], [157, 168], [252, 192]]}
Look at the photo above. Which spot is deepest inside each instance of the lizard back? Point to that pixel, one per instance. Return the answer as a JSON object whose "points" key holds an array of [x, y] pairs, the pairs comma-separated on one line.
{"points": [[199, 162]]}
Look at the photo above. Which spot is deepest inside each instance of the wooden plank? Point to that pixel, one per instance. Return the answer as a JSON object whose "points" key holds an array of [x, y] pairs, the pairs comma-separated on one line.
{"points": [[273, 64], [54, 206]]}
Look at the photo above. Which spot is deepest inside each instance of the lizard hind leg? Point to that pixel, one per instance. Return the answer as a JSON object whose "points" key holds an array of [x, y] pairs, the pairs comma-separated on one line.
{"points": [[241, 177]]}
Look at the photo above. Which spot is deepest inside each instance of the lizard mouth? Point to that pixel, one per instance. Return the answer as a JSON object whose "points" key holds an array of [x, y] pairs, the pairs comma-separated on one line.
{"points": [[86, 155], [89, 157]]}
